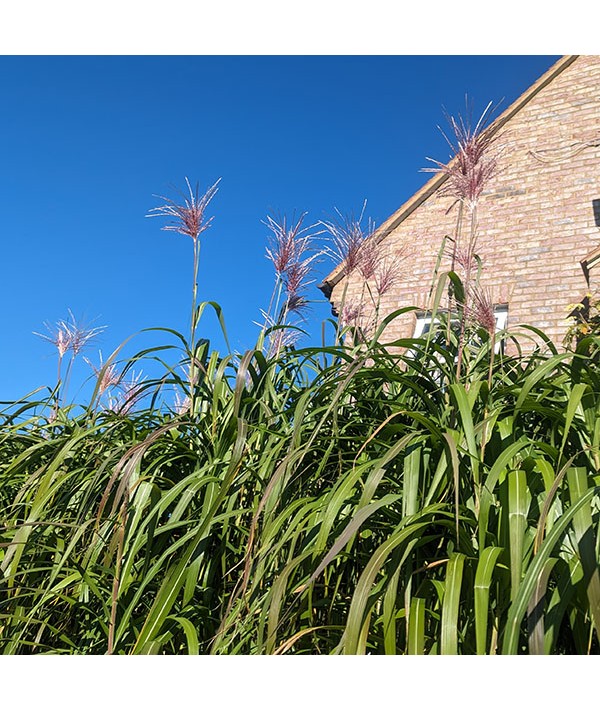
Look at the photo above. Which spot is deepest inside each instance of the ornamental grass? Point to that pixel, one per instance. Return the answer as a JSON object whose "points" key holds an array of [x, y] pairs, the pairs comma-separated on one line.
{"points": [[334, 500], [360, 497]]}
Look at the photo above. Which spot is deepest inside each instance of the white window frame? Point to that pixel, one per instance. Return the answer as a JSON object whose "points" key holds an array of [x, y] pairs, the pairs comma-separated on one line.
{"points": [[500, 313]]}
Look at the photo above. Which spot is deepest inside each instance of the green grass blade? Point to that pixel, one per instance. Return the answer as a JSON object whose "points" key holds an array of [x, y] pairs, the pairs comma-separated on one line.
{"points": [[483, 581], [535, 610], [175, 579], [583, 525], [534, 571], [450, 605], [416, 626], [518, 506]]}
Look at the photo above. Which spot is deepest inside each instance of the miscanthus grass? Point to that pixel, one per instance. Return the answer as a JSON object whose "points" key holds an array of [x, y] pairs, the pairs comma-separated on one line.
{"points": [[360, 497], [324, 501]]}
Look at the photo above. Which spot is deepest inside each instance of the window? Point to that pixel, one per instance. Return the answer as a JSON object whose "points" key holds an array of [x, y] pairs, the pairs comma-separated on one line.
{"points": [[423, 325]]}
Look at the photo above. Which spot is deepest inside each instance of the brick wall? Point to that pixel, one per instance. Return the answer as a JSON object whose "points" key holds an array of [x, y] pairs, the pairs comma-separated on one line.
{"points": [[536, 218]]}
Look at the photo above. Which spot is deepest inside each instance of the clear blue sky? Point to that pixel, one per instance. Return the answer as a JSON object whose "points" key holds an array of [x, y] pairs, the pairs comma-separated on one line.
{"points": [[86, 142]]}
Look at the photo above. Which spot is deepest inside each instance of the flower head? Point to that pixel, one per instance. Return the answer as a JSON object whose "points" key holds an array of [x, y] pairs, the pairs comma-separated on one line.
{"points": [[482, 310], [59, 336], [287, 243], [350, 243], [69, 335], [188, 218], [369, 257], [131, 391], [81, 335], [290, 248], [107, 375], [463, 257], [475, 158], [388, 271], [292, 253], [351, 314], [296, 278], [182, 404]]}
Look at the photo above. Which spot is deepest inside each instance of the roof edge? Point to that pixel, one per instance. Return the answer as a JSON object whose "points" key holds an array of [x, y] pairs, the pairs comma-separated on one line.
{"points": [[434, 183]]}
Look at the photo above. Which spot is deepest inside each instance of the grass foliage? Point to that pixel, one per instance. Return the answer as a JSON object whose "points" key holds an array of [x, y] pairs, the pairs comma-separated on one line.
{"points": [[346, 499]]}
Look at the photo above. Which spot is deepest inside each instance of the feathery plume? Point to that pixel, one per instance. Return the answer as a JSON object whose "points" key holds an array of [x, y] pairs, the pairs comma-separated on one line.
{"points": [[59, 336], [287, 244], [69, 335], [188, 218], [108, 375], [388, 272], [348, 238], [351, 314], [369, 256], [295, 279], [182, 404], [292, 254], [80, 334], [482, 310], [131, 392], [475, 158]]}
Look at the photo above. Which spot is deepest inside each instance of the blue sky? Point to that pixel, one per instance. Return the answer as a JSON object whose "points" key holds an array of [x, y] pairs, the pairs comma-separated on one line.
{"points": [[87, 141]]}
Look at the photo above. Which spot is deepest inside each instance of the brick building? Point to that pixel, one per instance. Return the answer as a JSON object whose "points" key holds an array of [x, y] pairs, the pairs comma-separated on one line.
{"points": [[538, 218]]}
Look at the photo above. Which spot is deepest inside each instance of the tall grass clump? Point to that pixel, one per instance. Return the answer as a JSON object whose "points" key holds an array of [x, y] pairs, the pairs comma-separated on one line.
{"points": [[360, 497]]}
